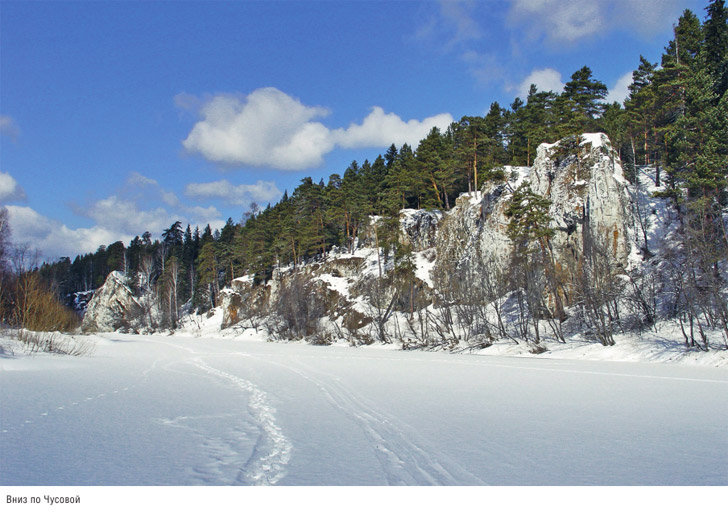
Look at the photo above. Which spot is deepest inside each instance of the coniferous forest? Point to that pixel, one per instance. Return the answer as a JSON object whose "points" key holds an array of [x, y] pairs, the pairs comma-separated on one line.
{"points": [[674, 121]]}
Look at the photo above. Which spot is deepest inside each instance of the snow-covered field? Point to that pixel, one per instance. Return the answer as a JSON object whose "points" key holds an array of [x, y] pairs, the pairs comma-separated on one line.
{"points": [[161, 410]]}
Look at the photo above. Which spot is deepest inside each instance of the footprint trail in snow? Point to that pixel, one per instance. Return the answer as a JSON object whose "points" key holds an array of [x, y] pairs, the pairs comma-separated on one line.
{"points": [[272, 451]]}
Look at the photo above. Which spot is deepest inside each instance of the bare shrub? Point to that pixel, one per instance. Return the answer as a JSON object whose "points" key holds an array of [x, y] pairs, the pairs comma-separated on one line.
{"points": [[54, 342], [597, 287], [36, 308], [643, 289], [321, 336], [297, 309]]}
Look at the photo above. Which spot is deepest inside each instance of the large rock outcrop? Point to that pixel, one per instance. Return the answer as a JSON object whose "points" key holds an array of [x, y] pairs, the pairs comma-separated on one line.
{"points": [[112, 307], [581, 177]]}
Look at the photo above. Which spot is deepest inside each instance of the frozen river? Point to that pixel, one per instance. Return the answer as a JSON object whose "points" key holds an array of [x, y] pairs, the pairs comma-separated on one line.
{"points": [[160, 410]]}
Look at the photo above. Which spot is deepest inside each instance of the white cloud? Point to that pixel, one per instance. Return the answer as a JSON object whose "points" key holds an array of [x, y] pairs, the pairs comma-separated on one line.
{"points": [[267, 128], [205, 215], [546, 79], [449, 24], [187, 102], [137, 179], [261, 192], [140, 186], [9, 127], [54, 238], [559, 21], [271, 129], [125, 217], [113, 219], [568, 21], [619, 92], [170, 198], [485, 67], [10, 190], [457, 15], [380, 129], [647, 16]]}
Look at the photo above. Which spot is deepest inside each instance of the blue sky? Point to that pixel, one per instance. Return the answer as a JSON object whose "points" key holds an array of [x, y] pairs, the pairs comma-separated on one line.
{"points": [[121, 117]]}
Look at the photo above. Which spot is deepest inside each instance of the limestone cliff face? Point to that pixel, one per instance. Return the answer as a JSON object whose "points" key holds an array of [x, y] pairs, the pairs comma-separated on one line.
{"points": [[112, 306], [582, 178], [419, 227], [589, 205]]}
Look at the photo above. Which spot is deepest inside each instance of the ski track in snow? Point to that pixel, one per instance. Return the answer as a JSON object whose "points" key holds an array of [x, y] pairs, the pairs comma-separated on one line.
{"points": [[243, 443], [272, 451], [405, 460]]}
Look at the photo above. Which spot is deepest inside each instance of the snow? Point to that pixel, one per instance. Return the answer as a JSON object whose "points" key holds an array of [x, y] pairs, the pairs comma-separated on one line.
{"points": [[180, 410], [424, 263], [595, 139], [337, 284]]}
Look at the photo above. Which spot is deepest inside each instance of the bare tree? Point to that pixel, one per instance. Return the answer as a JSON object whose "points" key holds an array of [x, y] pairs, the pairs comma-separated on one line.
{"points": [[597, 286], [169, 285], [5, 277], [704, 283], [145, 273], [297, 308]]}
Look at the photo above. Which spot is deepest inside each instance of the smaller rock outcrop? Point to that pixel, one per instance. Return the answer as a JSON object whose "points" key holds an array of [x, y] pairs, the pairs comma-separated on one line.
{"points": [[419, 227], [112, 307], [78, 301]]}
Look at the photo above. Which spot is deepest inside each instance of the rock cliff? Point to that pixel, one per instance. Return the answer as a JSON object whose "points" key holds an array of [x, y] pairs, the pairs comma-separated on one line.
{"points": [[112, 307], [353, 294], [582, 178]]}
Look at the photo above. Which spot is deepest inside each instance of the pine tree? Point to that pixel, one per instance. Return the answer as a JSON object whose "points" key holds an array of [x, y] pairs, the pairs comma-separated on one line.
{"points": [[529, 219], [308, 201], [528, 229], [641, 111], [614, 123], [539, 120], [516, 133], [579, 104], [494, 126], [698, 160], [434, 157], [715, 49], [173, 236], [390, 156], [208, 273], [682, 50], [134, 254], [116, 257], [470, 139]]}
